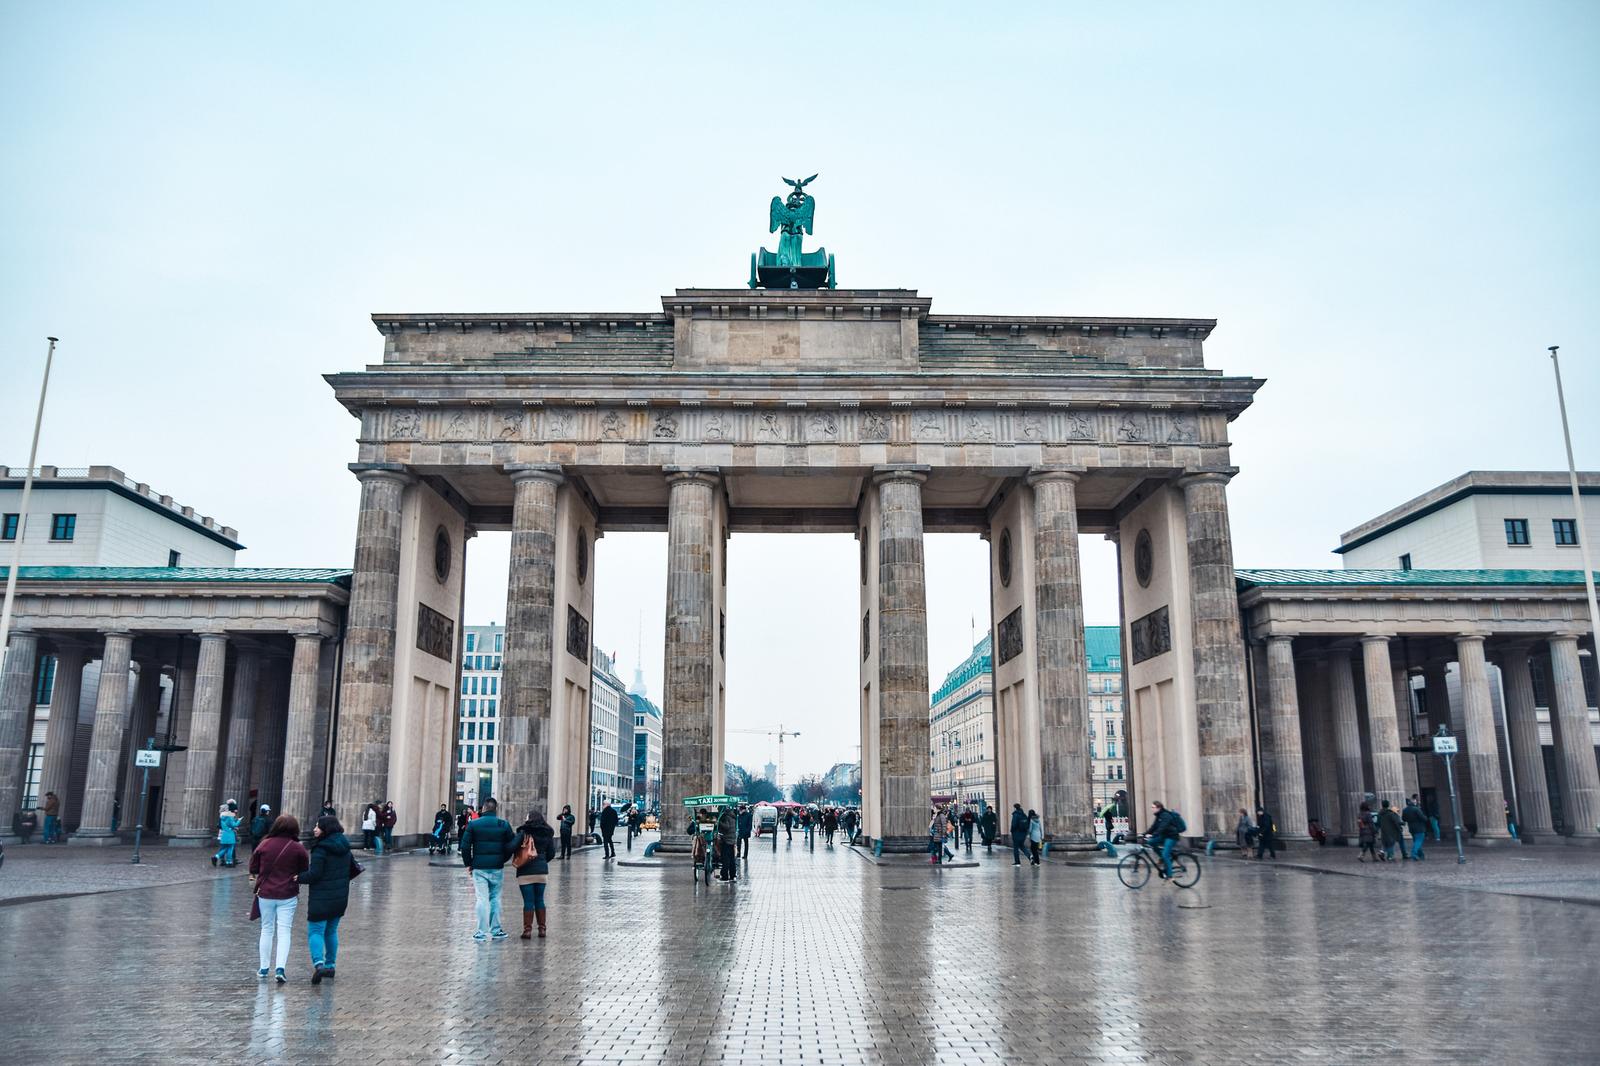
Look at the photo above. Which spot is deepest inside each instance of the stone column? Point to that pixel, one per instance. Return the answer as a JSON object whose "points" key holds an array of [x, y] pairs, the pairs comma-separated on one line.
{"points": [[903, 752], [1477, 712], [1322, 791], [1288, 804], [1533, 798], [1569, 720], [1346, 741], [16, 719], [523, 748], [205, 726], [105, 743], [61, 735], [689, 702], [1221, 716], [146, 708], [361, 761], [242, 727], [271, 715], [1061, 667], [300, 780], [1383, 731], [1403, 723]]}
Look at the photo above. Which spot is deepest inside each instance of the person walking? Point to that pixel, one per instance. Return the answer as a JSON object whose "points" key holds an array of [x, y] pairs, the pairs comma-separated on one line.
{"points": [[1244, 832], [608, 829], [1391, 830], [936, 831], [788, 825], [260, 825], [1417, 823], [328, 893], [485, 848], [969, 821], [1266, 833], [227, 835], [747, 824], [442, 821], [989, 825], [567, 820], [1035, 836], [276, 867], [369, 827], [386, 820], [1367, 833], [727, 832], [52, 819], [1019, 833], [830, 825], [635, 820], [850, 821], [536, 844]]}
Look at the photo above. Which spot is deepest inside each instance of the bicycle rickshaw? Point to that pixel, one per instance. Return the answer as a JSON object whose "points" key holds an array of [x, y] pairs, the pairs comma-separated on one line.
{"points": [[703, 812]]}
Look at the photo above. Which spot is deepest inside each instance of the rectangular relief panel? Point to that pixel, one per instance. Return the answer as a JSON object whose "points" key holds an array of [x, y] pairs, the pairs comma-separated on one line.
{"points": [[577, 634], [1151, 635], [1009, 634], [436, 634]]}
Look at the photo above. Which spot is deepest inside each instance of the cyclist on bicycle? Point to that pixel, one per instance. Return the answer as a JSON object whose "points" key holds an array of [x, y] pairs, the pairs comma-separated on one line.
{"points": [[1165, 832]]}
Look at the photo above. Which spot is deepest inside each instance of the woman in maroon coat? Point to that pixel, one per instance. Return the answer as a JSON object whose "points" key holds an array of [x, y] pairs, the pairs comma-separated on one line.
{"points": [[275, 866]]}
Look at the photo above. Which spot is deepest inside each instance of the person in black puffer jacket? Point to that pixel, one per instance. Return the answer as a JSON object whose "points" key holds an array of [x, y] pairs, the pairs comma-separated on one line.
{"points": [[328, 877], [485, 848], [532, 875]]}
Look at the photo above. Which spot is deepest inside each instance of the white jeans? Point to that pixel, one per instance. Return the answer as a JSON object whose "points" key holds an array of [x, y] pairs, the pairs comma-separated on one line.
{"points": [[277, 914]]}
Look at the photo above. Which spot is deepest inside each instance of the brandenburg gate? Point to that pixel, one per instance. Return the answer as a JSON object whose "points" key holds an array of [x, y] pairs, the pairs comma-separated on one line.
{"points": [[794, 406]]}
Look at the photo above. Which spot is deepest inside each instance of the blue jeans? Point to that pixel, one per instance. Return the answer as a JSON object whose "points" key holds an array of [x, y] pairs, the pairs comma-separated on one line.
{"points": [[486, 884], [225, 853], [322, 939], [1388, 849], [52, 828], [1166, 855], [532, 897], [1416, 844]]}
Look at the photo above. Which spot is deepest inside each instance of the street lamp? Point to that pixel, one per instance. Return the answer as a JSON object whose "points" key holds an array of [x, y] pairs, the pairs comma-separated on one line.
{"points": [[22, 516], [1577, 503]]}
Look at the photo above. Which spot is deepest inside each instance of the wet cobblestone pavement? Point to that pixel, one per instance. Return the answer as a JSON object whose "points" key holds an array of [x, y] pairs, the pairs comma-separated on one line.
{"points": [[818, 958]]}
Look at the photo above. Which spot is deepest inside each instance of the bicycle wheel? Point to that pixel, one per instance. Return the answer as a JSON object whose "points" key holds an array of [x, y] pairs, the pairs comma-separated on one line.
{"points": [[1134, 870], [1185, 870]]}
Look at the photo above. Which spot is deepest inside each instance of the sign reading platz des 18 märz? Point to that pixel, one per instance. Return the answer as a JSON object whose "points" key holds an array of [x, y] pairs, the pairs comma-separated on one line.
{"points": [[145, 757], [1444, 746]]}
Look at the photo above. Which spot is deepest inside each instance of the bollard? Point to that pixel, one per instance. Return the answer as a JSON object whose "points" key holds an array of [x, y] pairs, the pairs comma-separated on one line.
{"points": [[877, 849], [1211, 846]]}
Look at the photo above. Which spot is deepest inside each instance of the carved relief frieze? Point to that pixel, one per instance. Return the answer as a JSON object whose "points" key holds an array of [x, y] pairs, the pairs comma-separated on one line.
{"points": [[560, 424], [509, 423]]}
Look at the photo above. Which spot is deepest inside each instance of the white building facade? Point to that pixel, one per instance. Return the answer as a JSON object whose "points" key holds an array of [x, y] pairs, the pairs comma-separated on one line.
{"points": [[611, 725], [483, 652], [1108, 739]]}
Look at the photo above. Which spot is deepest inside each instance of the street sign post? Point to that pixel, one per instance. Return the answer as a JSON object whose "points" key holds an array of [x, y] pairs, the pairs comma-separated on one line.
{"points": [[145, 758], [1447, 747]]}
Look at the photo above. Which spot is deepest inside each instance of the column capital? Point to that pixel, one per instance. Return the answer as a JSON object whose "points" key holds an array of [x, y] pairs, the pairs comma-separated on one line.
{"points": [[711, 475], [1567, 636], [520, 472], [900, 472], [1071, 474], [308, 634], [1375, 638], [1218, 476], [207, 634], [1471, 637], [109, 633], [1280, 639], [395, 472]]}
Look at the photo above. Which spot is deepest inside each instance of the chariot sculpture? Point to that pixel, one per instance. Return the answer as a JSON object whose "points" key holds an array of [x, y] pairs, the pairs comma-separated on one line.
{"points": [[790, 267]]}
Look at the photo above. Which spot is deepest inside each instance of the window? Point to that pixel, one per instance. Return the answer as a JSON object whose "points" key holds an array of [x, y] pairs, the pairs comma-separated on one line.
{"points": [[497, 662], [1405, 561], [30, 785], [173, 557], [464, 683], [490, 711], [63, 526], [490, 734], [488, 753], [499, 639], [47, 682], [472, 730], [1111, 749], [1111, 729], [1566, 530], [472, 642], [1114, 663], [1092, 755], [1517, 532], [8, 527]]}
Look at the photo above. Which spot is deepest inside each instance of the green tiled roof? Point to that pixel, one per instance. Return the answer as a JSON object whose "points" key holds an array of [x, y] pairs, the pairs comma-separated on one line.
{"points": [[976, 663], [247, 574], [1404, 578], [1103, 643]]}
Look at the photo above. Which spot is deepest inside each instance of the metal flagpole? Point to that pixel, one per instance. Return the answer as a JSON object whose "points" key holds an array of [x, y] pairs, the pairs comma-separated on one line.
{"points": [[22, 517], [1577, 503]]}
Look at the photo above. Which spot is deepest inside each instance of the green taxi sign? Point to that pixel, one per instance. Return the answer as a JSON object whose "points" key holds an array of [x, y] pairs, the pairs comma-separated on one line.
{"points": [[709, 801]]}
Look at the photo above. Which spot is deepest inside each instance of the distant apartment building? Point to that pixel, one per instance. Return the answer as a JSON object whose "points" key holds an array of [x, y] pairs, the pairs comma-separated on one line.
{"points": [[611, 744], [646, 744], [961, 724], [482, 650]]}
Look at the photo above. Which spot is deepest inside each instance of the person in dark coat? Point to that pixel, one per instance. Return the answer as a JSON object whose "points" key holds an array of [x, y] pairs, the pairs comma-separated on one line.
{"points": [[969, 821], [1417, 823], [386, 822], [727, 832], [1391, 830], [1266, 833], [1019, 833], [989, 826], [567, 821], [261, 824], [1367, 832], [535, 873], [747, 825], [328, 895], [635, 823], [608, 829], [485, 848]]}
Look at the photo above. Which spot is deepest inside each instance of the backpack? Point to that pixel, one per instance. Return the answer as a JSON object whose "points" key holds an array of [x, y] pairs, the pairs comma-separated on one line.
{"points": [[1178, 824]]}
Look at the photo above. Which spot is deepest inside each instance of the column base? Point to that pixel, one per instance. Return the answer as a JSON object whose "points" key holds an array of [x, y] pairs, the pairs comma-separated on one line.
{"points": [[1541, 836], [91, 838], [1487, 840], [905, 845], [1586, 840], [178, 841]]}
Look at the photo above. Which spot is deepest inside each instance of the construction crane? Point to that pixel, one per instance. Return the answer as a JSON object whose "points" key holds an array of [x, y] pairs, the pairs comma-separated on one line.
{"points": [[780, 734]]}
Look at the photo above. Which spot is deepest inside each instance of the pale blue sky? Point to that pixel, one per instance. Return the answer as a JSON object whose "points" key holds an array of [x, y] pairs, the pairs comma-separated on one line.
{"points": [[1391, 209]]}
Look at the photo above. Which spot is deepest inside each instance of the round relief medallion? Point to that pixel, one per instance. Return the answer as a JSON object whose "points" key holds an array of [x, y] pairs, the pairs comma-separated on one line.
{"points": [[583, 556], [1144, 558], [1003, 557], [441, 555]]}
